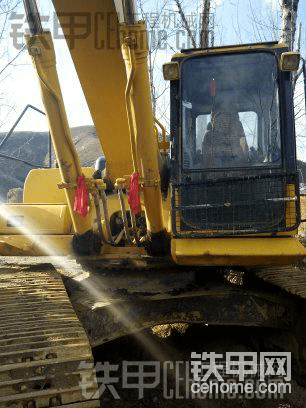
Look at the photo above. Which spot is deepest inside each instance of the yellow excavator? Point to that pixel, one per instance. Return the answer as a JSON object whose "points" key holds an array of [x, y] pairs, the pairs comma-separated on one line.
{"points": [[146, 235]]}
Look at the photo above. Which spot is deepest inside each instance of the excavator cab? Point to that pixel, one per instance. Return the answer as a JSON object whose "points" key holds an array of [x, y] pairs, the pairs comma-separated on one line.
{"points": [[233, 147]]}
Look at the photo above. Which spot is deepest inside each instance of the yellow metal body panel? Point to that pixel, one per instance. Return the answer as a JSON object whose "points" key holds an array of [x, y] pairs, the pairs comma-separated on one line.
{"points": [[44, 211], [35, 245], [237, 251], [166, 205], [41, 186], [35, 219], [302, 227], [100, 67], [290, 206]]}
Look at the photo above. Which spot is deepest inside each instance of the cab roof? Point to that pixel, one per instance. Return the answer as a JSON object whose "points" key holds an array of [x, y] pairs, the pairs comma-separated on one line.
{"points": [[231, 48]]}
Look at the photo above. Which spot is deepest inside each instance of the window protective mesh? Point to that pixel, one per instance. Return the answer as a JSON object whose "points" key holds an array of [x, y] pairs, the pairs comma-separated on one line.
{"points": [[236, 206]]}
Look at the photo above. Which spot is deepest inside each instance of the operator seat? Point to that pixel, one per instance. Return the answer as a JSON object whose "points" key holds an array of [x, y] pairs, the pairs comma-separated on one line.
{"points": [[224, 143]]}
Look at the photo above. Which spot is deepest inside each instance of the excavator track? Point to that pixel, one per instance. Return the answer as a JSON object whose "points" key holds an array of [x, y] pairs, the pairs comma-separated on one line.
{"points": [[45, 356], [290, 278]]}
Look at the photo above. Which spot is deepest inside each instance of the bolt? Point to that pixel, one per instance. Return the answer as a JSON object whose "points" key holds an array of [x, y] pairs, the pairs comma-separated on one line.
{"points": [[27, 359], [39, 370], [30, 404], [55, 401], [51, 355], [23, 388]]}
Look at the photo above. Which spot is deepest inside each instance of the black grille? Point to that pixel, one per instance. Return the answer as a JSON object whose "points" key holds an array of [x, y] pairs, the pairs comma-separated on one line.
{"points": [[236, 206]]}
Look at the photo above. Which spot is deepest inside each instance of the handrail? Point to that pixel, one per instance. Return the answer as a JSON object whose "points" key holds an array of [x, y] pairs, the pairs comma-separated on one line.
{"points": [[17, 121]]}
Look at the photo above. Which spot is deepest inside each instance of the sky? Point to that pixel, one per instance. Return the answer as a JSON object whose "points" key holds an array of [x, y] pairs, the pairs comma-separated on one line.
{"points": [[234, 21]]}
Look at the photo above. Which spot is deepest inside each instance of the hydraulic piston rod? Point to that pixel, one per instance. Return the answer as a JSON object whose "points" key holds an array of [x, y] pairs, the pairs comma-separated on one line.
{"points": [[126, 11], [33, 17]]}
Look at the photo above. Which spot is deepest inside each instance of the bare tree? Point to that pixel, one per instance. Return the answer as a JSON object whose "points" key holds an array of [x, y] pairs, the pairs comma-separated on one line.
{"points": [[204, 34], [204, 25], [7, 7], [194, 22], [185, 23], [158, 39], [289, 16]]}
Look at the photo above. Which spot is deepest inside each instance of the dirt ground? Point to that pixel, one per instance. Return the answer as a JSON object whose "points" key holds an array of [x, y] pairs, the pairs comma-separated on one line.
{"points": [[172, 356], [166, 364]]}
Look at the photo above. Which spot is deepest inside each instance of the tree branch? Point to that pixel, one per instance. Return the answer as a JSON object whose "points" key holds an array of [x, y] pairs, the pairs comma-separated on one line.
{"points": [[185, 23]]}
